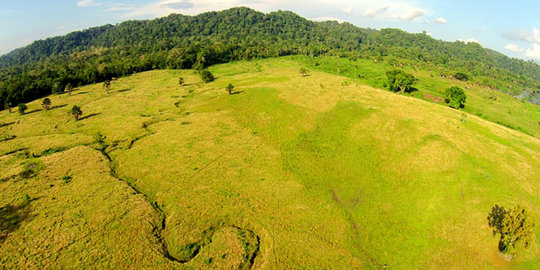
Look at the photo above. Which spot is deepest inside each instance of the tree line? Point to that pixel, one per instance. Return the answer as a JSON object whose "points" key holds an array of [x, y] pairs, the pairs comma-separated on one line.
{"points": [[183, 42]]}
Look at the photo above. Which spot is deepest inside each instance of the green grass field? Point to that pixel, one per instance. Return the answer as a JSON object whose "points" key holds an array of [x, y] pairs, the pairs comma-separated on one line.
{"points": [[315, 172]]}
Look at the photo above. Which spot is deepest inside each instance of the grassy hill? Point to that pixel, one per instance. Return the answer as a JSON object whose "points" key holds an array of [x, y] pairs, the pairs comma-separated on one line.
{"points": [[322, 171]]}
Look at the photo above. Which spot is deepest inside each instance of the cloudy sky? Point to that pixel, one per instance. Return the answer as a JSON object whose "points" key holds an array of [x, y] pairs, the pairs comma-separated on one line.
{"points": [[511, 27]]}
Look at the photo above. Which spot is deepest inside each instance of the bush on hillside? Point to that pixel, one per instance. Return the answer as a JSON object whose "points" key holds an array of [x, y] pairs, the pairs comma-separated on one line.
{"points": [[399, 81], [207, 76], [455, 97]]}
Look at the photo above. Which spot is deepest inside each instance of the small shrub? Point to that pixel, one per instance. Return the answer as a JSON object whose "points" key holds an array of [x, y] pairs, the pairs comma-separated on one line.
{"points": [[66, 179], [207, 76], [462, 76], [22, 108], [230, 88]]}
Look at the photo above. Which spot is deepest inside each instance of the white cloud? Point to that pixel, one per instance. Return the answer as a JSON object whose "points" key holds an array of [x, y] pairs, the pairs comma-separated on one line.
{"points": [[411, 15], [533, 53], [88, 3], [524, 35], [347, 10], [325, 19], [373, 12], [469, 40], [513, 48], [440, 20]]}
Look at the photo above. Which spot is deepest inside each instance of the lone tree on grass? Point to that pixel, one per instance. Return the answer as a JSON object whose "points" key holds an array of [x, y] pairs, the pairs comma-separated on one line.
{"points": [[515, 227], [76, 112], [207, 76], [399, 81], [69, 89], [22, 108], [303, 72], [230, 88], [107, 86], [455, 97], [181, 81], [46, 104]]}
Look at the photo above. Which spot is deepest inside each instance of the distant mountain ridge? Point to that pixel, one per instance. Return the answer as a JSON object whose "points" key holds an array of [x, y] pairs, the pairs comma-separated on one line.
{"points": [[179, 41]]}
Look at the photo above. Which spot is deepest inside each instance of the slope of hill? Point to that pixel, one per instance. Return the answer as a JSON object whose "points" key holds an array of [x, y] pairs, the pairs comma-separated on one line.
{"points": [[319, 171], [179, 41]]}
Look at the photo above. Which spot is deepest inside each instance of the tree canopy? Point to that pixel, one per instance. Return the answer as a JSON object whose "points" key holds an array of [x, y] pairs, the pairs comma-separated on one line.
{"points": [[399, 81], [183, 42], [514, 226], [455, 97]]}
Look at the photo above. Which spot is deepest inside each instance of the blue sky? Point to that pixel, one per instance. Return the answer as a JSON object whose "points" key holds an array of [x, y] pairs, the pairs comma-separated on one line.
{"points": [[511, 27]]}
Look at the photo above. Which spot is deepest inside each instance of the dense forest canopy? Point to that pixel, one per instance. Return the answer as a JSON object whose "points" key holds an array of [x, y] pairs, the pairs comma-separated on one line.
{"points": [[179, 41]]}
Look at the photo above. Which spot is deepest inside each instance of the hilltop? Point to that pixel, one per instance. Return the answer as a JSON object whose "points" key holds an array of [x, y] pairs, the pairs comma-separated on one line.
{"points": [[318, 171], [183, 42]]}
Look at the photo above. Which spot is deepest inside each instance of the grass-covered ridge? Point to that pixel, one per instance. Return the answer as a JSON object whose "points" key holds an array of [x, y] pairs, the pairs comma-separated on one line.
{"points": [[321, 171]]}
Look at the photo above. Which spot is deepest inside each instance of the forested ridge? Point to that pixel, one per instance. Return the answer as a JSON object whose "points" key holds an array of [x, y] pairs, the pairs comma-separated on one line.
{"points": [[179, 41]]}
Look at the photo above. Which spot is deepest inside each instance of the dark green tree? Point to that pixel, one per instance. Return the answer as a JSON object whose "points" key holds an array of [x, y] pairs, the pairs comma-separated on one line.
{"points": [[455, 97], [514, 226], [22, 108], [207, 76], [399, 81], [46, 104], [76, 112], [230, 88]]}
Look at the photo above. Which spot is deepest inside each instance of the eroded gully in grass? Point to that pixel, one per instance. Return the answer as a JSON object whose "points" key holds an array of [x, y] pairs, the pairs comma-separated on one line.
{"points": [[251, 248]]}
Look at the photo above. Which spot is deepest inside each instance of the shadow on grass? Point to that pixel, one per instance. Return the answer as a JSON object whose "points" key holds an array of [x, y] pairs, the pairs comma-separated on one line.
{"points": [[34, 111], [58, 106], [89, 116], [11, 123], [81, 93], [237, 93], [11, 218], [122, 90]]}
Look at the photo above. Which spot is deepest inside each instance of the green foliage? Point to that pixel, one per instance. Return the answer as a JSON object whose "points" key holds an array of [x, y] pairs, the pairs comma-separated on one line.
{"points": [[46, 103], [230, 88], [22, 108], [455, 97], [76, 112], [514, 226], [180, 42], [399, 81], [462, 76], [207, 76]]}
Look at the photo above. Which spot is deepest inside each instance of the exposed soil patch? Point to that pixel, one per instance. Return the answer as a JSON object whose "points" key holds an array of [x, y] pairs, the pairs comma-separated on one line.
{"points": [[433, 98]]}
